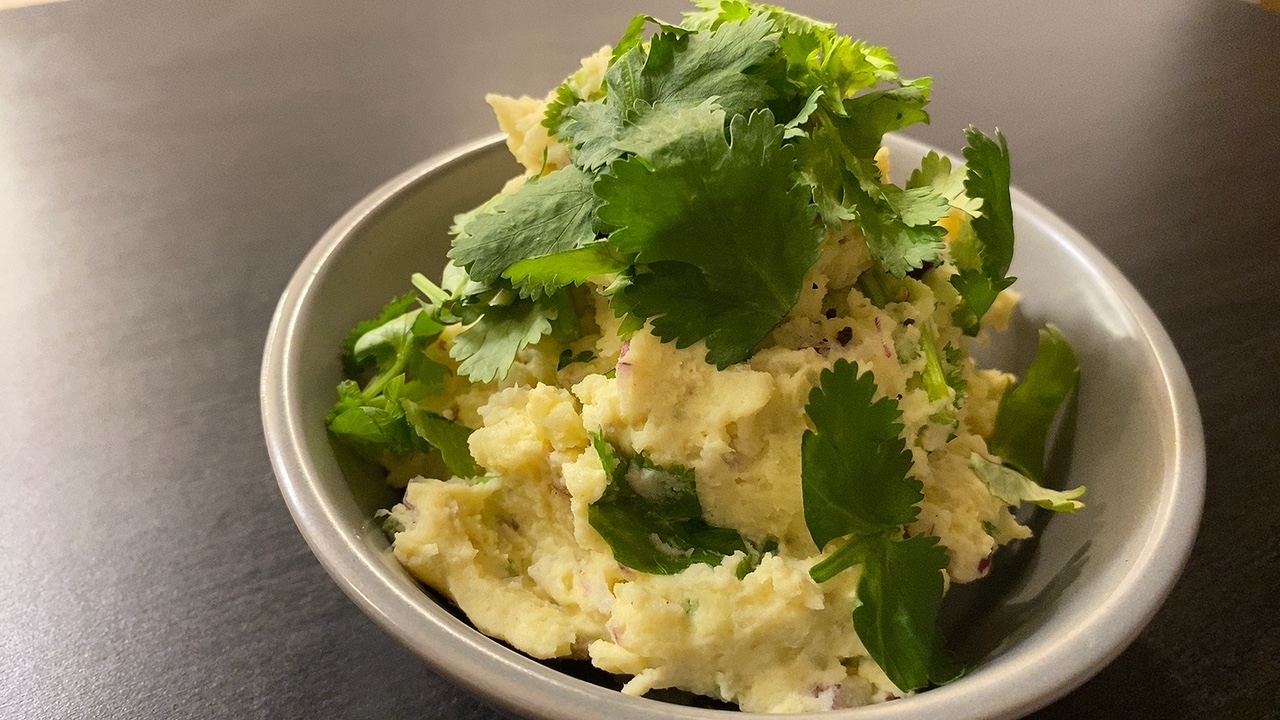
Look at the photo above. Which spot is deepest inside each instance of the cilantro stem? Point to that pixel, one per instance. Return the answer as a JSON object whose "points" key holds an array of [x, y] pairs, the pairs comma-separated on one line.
{"points": [[935, 381], [845, 556], [434, 292], [377, 384]]}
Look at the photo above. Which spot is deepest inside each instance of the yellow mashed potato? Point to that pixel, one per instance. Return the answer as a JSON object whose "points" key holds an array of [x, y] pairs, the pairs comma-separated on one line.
{"points": [[515, 551]]}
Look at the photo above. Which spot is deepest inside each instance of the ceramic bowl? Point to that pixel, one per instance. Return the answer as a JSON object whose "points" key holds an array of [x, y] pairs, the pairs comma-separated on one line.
{"points": [[1057, 611]]}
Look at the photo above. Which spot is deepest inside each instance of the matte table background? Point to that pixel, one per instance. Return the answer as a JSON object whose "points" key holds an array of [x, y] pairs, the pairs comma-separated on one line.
{"points": [[164, 166]]}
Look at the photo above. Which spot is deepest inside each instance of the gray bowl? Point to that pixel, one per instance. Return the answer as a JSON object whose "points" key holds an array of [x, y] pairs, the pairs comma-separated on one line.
{"points": [[1063, 608]]}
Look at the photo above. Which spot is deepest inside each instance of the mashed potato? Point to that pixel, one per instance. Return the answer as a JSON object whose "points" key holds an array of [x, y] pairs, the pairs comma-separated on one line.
{"points": [[514, 548]]}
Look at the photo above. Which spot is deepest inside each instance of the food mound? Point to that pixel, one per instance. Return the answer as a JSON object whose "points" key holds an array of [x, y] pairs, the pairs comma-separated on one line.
{"points": [[692, 399]]}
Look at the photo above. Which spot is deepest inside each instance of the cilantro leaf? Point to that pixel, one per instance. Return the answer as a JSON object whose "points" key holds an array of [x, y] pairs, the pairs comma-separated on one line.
{"points": [[896, 245], [567, 358], [899, 596], [393, 346], [572, 91], [914, 207], [563, 314], [543, 275], [820, 64], [460, 221], [836, 163], [487, 348], [869, 116], [660, 133], [977, 293], [802, 115], [372, 429], [726, 235], [1013, 488], [991, 239], [935, 171], [713, 13], [648, 131], [591, 128], [631, 37], [792, 23], [1027, 411], [839, 67], [447, 436], [685, 70], [651, 518], [987, 179], [823, 169], [625, 83], [547, 215], [706, 16], [855, 482], [854, 464], [680, 70], [554, 117]]}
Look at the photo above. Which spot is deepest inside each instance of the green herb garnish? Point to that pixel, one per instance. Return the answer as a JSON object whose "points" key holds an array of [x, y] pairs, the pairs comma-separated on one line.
{"points": [[856, 483], [698, 172], [389, 353], [984, 251], [1023, 421], [444, 434], [1014, 488], [1027, 411], [651, 518], [723, 232], [545, 216], [487, 348]]}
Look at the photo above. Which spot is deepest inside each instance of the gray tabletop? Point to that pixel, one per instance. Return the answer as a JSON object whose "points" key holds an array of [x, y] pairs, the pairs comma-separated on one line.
{"points": [[165, 165]]}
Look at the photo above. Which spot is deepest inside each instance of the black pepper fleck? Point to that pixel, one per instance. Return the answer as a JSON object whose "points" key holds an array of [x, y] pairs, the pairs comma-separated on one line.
{"points": [[844, 335], [831, 313]]}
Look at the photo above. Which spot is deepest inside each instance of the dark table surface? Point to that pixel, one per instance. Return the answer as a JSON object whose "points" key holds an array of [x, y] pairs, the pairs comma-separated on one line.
{"points": [[165, 165]]}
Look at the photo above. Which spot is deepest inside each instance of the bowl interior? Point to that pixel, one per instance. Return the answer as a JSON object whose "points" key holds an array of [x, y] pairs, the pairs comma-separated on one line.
{"points": [[1057, 611]]}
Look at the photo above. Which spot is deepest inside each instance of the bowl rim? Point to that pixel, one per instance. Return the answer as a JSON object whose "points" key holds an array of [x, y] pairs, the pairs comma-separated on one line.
{"points": [[511, 680]]}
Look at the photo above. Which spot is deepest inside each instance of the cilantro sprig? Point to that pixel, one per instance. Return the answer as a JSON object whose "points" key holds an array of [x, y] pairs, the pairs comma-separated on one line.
{"points": [[856, 485], [984, 249], [383, 415]]}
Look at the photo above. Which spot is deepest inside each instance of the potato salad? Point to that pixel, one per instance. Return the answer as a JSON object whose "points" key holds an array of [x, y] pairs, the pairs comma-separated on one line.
{"points": [[692, 400]]}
